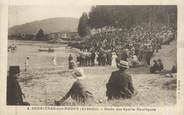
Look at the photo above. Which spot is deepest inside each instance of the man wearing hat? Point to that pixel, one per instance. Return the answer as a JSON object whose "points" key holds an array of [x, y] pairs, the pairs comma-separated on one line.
{"points": [[14, 92], [120, 83], [79, 90]]}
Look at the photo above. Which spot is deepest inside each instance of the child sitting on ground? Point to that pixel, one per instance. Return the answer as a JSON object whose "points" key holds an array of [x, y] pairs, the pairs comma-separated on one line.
{"points": [[160, 65], [154, 68]]}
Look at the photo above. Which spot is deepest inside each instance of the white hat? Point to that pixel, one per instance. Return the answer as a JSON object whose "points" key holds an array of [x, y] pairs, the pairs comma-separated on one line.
{"points": [[113, 53], [123, 64], [79, 73], [134, 56]]}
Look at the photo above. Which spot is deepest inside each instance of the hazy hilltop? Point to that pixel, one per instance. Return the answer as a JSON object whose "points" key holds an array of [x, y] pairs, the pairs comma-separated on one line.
{"points": [[48, 25]]}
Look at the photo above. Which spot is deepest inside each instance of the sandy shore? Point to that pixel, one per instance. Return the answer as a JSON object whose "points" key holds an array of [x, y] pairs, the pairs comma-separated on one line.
{"points": [[44, 82]]}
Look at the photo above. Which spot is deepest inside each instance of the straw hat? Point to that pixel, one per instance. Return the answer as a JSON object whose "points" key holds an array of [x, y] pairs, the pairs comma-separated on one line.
{"points": [[113, 53], [79, 73], [123, 64]]}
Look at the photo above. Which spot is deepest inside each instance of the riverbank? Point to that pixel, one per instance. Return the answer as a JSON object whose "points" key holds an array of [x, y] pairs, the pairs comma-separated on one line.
{"points": [[45, 82]]}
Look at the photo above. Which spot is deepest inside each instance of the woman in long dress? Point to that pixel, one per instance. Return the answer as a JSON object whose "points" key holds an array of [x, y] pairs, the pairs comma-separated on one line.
{"points": [[54, 60], [27, 63], [114, 57], [96, 58]]}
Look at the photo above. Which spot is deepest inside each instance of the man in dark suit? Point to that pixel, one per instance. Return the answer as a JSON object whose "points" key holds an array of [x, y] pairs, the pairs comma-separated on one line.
{"points": [[14, 92], [71, 62], [120, 83], [70, 58], [93, 58]]}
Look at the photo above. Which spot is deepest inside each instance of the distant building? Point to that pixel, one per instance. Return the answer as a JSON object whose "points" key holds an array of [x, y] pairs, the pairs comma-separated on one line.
{"points": [[63, 35], [22, 36], [56, 35]]}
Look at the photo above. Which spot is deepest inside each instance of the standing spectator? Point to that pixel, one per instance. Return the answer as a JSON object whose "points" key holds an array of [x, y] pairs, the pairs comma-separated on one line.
{"points": [[93, 58], [54, 60], [114, 56], [100, 58], [78, 60], [109, 58], [27, 63], [70, 57], [88, 56], [149, 54], [96, 58], [82, 59], [85, 59], [71, 62], [103, 58]]}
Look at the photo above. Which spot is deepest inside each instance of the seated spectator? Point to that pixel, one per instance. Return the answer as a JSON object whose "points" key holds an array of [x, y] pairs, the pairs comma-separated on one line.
{"points": [[120, 83], [160, 65], [79, 90], [174, 69], [135, 60], [154, 68]]}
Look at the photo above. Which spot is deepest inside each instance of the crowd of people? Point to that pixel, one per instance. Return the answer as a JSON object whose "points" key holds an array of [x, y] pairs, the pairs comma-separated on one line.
{"points": [[136, 45], [12, 48]]}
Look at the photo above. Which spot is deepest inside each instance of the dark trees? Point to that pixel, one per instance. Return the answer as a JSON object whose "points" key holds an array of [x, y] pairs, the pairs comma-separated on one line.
{"points": [[127, 16], [83, 28], [40, 35]]}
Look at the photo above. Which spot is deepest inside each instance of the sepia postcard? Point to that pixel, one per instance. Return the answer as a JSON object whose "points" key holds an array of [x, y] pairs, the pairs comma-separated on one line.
{"points": [[91, 57]]}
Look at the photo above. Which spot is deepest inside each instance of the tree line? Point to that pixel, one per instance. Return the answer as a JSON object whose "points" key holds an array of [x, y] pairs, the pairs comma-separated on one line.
{"points": [[40, 36], [126, 16]]}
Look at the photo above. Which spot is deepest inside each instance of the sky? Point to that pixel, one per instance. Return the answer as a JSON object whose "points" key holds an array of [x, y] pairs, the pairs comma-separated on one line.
{"points": [[24, 11], [20, 14]]}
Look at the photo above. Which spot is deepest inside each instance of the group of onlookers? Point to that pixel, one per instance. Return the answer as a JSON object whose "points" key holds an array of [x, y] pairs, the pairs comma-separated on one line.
{"points": [[157, 66], [136, 45], [119, 86], [94, 58], [12, 48]]}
